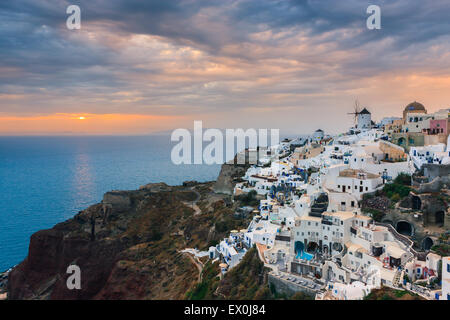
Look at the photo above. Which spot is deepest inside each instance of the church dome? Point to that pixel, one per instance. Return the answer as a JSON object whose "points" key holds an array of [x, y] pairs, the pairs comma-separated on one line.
{"points": [[415, 106]]}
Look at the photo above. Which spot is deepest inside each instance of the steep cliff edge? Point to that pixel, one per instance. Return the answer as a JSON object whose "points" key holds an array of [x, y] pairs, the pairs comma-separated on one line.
{"points": [[229, 175], [127, 247]]}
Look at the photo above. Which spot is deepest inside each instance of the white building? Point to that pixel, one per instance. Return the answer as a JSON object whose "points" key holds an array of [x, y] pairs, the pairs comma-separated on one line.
{"points": [[388, 120], [364, 120], [445, 279], [355, 182], [231, 250], [436, 154], [318, 135], [262, 232], [417, 122]]}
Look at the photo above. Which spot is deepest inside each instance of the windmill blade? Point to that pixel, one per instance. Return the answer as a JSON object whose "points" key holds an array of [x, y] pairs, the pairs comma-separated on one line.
{"points": [[357, 107]]}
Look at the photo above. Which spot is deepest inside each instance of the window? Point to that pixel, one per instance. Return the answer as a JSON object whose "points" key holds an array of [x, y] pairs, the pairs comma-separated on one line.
{"points": [[448, 267], [367, 189], [342, 223]]}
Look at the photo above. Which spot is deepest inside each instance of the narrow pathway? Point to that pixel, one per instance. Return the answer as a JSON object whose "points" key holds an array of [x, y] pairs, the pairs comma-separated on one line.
{"points": [[198, 264], [193, 204]]}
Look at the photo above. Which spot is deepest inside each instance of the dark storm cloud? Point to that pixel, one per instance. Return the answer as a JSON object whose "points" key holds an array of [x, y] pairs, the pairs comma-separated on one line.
{"points": [[37, 51]]}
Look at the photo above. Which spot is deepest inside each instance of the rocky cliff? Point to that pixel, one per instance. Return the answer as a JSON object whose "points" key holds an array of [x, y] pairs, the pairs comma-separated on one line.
{"points": [[229, 175], [127, 247]]}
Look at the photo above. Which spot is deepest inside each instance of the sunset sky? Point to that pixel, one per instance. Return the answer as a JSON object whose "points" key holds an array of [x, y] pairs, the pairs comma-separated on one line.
{"points": [[137, 67]]}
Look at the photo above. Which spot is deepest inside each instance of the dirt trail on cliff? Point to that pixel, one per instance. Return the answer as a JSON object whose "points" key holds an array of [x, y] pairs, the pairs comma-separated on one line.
{"points": [[198, 264], [127, 246]]}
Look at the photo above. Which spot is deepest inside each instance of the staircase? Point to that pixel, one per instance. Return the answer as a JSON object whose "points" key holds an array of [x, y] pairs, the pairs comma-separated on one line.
{"points": [[319, 206], [397, 278]]}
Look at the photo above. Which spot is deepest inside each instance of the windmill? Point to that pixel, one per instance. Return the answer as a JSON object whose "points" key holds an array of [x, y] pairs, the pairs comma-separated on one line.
{"points": [[356, 112]]}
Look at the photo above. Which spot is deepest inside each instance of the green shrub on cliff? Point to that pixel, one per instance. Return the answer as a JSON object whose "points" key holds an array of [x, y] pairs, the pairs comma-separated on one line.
{"points": [[248, 199], [396, 191], [403, 179]]}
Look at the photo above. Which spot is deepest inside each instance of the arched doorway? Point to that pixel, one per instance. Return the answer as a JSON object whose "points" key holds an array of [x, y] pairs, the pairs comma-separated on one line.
{"points": [[280, 255], [405, 228], [312, 247], [416, 203], [402, 141], [427, 243], [330, 273], [337, 247], [439, 218]]}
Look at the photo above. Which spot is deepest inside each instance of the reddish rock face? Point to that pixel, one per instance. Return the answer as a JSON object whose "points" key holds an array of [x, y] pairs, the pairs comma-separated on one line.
{"points": [[44, 251], [43, 273], [122, 254]]}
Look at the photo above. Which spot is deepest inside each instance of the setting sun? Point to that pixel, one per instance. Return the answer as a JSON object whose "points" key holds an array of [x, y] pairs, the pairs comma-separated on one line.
{"points": [[81, 118]]}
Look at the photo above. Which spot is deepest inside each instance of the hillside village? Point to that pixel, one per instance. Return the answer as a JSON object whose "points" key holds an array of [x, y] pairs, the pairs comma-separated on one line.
{"points": [[339, 216]]}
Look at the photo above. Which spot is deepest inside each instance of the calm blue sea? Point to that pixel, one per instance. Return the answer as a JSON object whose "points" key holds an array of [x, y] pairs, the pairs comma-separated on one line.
{"points": [[46, 180]]}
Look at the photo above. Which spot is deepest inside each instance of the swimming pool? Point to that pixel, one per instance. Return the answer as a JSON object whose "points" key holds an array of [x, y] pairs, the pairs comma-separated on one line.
{"points": [[304, 255]]}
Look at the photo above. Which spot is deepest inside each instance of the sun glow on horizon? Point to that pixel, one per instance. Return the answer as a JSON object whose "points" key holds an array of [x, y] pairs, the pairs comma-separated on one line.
{"points": [[63, 123]]}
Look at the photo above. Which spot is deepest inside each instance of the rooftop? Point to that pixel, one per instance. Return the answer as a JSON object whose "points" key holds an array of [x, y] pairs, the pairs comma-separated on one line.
{"points": [[353, 173], [415, 106], [365, 111], [343, 215]]}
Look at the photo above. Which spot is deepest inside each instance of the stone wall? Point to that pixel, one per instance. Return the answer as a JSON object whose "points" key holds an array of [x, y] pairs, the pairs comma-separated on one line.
{"points": [[392, 152], [117, 200], [287, 287], [409, 139], [432, 171], [436, 185], [435, 139]]}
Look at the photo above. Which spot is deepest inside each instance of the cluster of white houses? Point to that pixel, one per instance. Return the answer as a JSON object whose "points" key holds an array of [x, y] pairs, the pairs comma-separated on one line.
{"points": [[309, 224]]}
